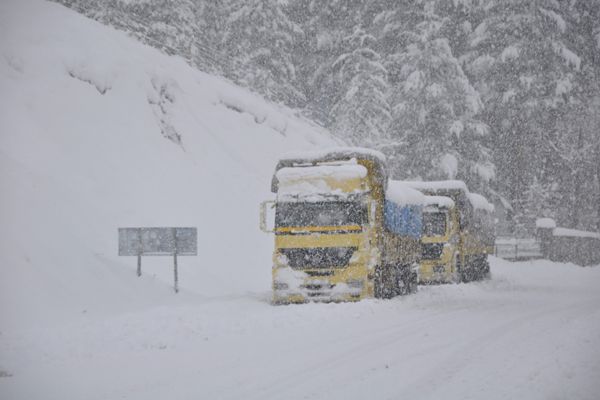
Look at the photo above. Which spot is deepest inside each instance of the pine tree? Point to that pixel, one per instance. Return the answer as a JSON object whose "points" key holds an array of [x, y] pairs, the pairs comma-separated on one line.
{"points": [[434, 107], [259, 38], [325, 25], [525, 74], [361, 115], [580, 175], [458, 18]]}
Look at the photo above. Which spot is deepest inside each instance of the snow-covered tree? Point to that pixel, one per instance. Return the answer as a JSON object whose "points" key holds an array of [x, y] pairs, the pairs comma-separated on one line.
{"points": [[361, 114], [579, 150], [434, 107], [325, 25], [458, 18], [259, 38], [525, 73]]}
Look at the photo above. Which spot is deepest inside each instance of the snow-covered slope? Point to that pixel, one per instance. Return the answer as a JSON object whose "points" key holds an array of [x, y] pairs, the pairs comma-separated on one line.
{"points": [[89, 128]]}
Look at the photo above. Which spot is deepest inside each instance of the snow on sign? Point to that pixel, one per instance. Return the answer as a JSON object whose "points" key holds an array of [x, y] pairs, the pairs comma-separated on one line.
{"points": [[158, 242]]}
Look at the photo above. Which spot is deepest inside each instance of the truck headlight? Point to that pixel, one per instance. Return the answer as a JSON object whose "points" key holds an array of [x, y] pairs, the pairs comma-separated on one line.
{"points": [[355, 283], [439, 269]]}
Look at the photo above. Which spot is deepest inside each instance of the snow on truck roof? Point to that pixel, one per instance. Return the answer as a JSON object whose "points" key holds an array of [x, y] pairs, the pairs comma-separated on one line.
{"points": [[437, 185], [402, 194], [320, 183], [477, 201], [439, 201], [337, 155], [340, 172], [331, 153], [480, 203]]}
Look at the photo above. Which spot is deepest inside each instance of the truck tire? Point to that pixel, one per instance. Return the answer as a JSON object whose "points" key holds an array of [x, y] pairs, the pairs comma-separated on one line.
{"points": [[469, 270], [384, 282], [378, 283], [406, 280], [460, 274], [413, 279], [486, 273]]}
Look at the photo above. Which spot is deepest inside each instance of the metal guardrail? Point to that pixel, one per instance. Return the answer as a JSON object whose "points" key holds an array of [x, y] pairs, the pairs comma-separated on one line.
{"points": [[517, 249]]}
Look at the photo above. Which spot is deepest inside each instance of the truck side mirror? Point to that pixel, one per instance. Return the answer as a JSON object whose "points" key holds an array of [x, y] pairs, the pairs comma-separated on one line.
{"points": [[267, 216], [373, 212]]}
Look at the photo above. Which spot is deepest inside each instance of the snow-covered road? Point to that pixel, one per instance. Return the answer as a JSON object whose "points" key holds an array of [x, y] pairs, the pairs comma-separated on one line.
{"points": [[532, 332]]}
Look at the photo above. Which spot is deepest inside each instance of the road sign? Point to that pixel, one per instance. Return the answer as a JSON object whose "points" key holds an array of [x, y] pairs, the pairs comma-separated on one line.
{"points": [[158, 242]]}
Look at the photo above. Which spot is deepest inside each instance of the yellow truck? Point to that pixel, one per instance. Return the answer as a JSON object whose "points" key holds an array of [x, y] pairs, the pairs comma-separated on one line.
{"points": [[458, 233], [439, 240], [483, 234], [342, 231]]}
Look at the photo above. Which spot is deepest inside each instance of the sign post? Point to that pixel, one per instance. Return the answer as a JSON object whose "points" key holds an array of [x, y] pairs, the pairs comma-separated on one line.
{"points": [[176, 284], [158, 242]]}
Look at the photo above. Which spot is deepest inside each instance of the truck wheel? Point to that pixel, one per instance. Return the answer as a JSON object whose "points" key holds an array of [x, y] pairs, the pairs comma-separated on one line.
{"points": [[384, 283], [413, 279], [460, 276], [486, 274], [406, 280], [378, 284], [475, 268], [481, 268], [402, 285], [468, 271]]}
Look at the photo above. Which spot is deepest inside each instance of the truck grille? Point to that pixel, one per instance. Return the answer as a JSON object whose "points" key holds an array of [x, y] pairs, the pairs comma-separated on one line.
{"points": [[319, 257], [432, 251]]}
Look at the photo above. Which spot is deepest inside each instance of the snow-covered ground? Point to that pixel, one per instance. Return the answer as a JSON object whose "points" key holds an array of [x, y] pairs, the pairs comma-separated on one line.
{"points": [[532, 332], [85, 116]]}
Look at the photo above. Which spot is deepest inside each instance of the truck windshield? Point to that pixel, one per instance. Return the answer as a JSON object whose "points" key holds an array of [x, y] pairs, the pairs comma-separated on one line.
{"points": [[434, 223], [325, 213]]}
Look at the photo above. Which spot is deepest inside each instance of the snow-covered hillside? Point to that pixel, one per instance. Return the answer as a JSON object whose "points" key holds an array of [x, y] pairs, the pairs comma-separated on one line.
{"points": [[98, 131], [86, 116]]}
